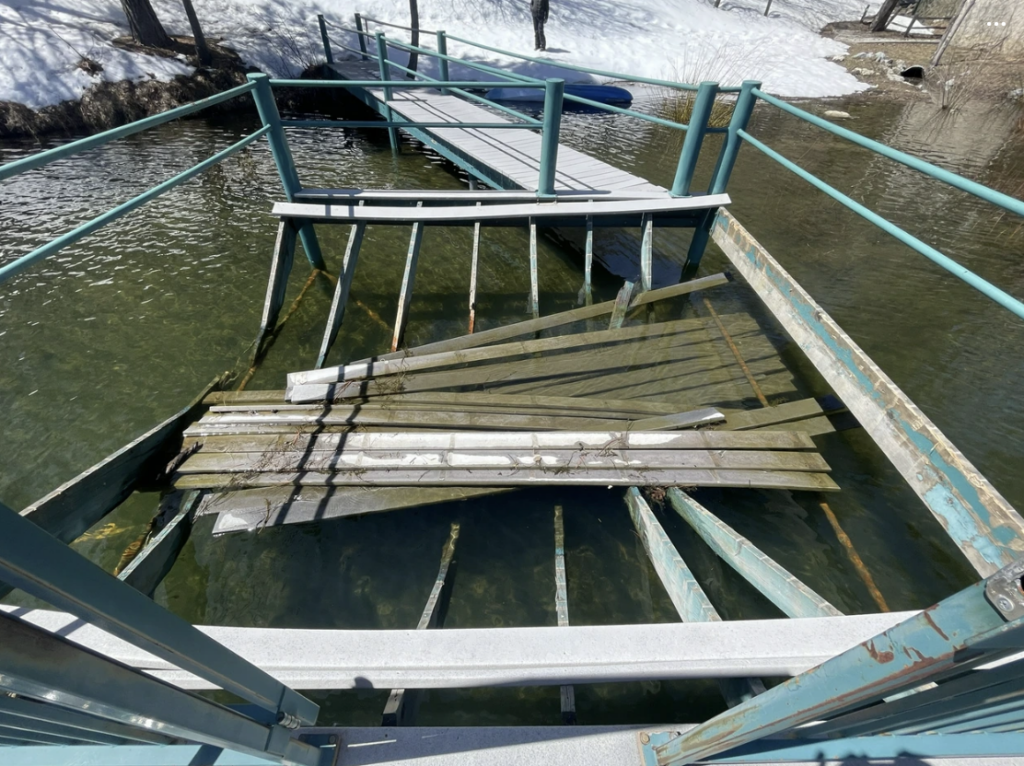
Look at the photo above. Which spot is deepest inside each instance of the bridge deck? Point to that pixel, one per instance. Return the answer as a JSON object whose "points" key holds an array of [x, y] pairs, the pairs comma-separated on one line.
{"points": [[512, 154]]}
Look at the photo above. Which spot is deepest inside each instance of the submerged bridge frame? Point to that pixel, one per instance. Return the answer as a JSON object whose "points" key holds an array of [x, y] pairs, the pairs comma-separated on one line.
{"points": [[111, 678]]}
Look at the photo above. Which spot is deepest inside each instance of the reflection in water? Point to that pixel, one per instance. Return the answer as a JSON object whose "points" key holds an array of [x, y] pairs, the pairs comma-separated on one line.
{"points": [[115, 333]]}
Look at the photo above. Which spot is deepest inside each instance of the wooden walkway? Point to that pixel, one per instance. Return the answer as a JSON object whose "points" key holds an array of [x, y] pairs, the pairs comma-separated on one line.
{"points": [[512, 154]]}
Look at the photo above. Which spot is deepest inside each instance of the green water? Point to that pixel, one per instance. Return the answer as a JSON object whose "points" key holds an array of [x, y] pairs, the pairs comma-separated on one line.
{"points": [[112, 335]]}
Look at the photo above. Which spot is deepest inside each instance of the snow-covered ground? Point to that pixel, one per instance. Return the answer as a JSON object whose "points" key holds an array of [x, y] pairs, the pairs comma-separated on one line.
{"points": [[42, 43]]}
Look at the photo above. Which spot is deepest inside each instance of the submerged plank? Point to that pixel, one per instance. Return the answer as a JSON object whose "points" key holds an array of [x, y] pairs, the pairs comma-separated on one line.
{"points": [[519, 477], [248, 510], [777, 585], [148, 569]]}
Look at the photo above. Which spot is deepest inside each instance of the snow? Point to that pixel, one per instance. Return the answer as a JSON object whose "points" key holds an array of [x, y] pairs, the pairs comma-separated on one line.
{"points": [[42, 44]]}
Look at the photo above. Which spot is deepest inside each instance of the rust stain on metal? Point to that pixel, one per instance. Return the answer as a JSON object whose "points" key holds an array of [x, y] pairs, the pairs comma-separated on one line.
{"points": [[882, 657], [930, 621]]}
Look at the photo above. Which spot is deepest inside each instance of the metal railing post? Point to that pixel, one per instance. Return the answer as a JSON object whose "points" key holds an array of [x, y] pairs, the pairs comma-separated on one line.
{"points": [[554, 90], [442, 48], [385, 76], [723, 169], [263, 95], [325, 38], [698, 125], [361, 36]]}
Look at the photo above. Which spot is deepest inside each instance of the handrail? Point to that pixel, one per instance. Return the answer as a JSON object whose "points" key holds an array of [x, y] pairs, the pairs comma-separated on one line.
{"points": [[34, 161], [1001, 297], [971, 187], [399, 26], [54, 245]]}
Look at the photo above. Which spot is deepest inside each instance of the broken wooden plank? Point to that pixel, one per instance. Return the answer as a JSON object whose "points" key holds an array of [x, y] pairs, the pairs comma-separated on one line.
{"points": [[776, 584], [738, 420], [341, 291], [243, 397], [383, 367], [401, 704], [530, 326], [689, 419], [148, 569], [250, 509], [622, 303], [498, 440], [520, 477], [348, 459]]}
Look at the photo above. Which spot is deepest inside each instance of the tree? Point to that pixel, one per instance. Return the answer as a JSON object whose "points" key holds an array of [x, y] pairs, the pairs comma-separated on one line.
{"points": [[202, 49], [884, 14], [414, 40], [145, 26]]}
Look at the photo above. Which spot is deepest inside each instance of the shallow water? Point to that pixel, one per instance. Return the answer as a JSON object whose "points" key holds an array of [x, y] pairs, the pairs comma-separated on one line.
{"points": [[119, 331]]}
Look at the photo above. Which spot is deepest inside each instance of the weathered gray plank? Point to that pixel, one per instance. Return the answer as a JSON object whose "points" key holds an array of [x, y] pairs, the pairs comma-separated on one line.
{"points": [[779, 586], [347, 459], [520, 477], [511, 440], [689, 419], [739, 420], [148, 569], [979, 520], [555, 320], [248, 510], [404, 366], [341, 291], [401, 704]]}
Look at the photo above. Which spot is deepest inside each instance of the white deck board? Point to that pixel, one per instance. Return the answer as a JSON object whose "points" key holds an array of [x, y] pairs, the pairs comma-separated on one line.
{"points": [[514, 153], [464, 658]]}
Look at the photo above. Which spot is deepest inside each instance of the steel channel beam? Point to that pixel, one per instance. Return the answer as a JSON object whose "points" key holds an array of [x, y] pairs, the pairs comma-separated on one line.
{"points": [[26, 709], [40, 665]]}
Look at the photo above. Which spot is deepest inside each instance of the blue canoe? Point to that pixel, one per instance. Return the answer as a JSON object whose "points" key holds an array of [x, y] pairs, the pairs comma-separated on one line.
{"points": [[606, 94]]}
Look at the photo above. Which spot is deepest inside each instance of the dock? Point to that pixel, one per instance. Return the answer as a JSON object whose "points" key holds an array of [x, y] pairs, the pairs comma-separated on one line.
{"points": [[665, 395]]}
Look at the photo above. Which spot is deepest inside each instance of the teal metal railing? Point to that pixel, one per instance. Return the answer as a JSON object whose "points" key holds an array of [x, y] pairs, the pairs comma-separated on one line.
{"points": [[746, 97]]}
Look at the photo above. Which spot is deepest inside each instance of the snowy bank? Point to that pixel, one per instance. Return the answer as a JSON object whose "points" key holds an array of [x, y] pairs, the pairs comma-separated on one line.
{"points": [[43, 45]]}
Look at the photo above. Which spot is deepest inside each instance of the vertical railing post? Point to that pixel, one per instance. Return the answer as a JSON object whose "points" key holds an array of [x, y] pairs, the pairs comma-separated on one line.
{"points": [[699, 116], [361, 36], [385, 76], [723, 170], [263, 95], [442, 48], [324, 36], [554, 90]]}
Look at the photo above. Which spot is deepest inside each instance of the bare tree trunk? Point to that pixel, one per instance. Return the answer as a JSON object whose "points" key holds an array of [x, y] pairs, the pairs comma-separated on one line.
{"points": [[202, 49], [145, 26], [884, 13], [414, 22]]}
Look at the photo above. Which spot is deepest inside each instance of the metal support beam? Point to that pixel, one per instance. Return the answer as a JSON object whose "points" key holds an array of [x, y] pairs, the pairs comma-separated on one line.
{"points": [[776, 584], [34, 561], [34, 663], [361, 37], [567, 695], [277, 285], [553, 92], [698, 125], [385, 76], [442, 61], [148, 569], [341, 291], [400, 708], [534, 282], [263, 95], [473, 275], [646, 251], [979, 520], [588, 264], [29, 710], [408, 278], [325, 38], [980, 624]]}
